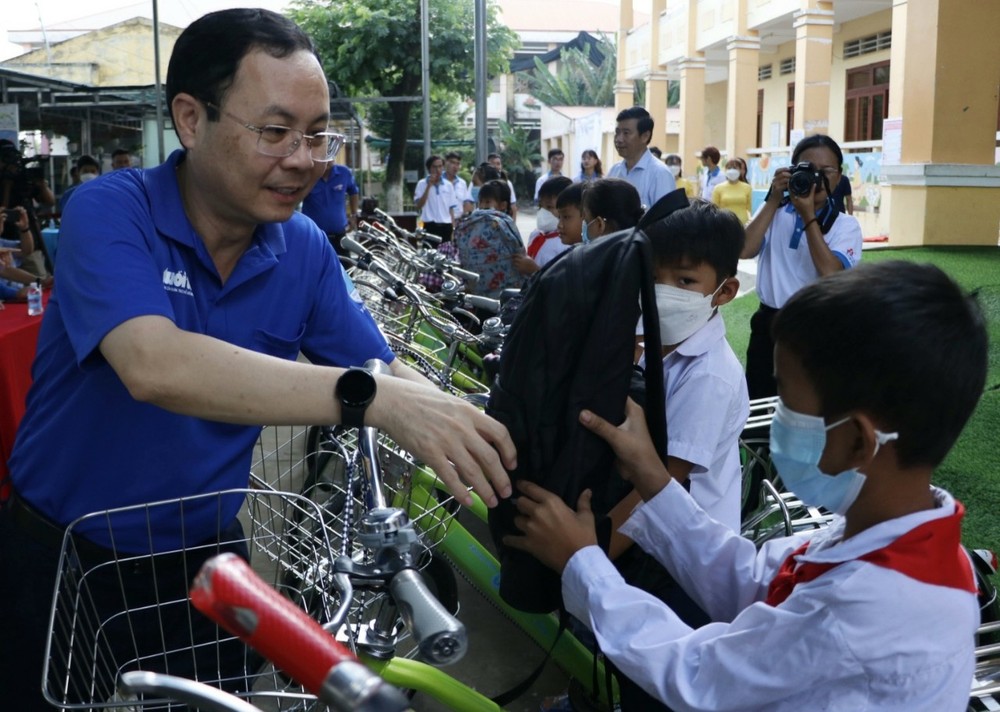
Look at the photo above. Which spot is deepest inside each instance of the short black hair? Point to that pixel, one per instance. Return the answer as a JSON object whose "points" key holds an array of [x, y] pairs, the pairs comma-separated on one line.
{"points": [[645, 121], [711, 153], [498, 190], [494, 155], [656, 151], [553, 187], [818, 141], [431, 159], [699, 233], [86, 160], [615, 200], [897, 340], [573, 195], [486, 172], [553, 152], [452, 155], [208, 52], [120, 152]]}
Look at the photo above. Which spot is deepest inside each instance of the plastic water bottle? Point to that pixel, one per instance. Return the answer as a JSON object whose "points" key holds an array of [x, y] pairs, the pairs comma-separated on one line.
{"points": [[35, 307]]}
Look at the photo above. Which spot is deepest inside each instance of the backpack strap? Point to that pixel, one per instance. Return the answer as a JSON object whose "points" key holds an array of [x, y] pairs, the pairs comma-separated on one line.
{"points": [[656, 418], [505, 698]]}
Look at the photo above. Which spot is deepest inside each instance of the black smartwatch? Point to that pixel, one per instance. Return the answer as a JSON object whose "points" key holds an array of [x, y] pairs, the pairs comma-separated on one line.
{"points": [[355, 390]]}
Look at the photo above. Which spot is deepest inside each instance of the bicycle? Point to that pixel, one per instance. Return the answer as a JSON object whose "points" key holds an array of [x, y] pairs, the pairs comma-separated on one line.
{"points": [[351, 478]]}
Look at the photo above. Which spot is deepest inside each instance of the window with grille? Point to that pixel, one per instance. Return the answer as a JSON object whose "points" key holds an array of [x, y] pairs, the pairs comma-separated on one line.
{"points": [[866, 102], [867, 45], [787, 66], [764, 72]]}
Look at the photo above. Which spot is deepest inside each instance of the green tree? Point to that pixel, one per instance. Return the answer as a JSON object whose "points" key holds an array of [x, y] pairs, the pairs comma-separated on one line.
{"points": [[372, 49], [578, 81], [447, 115], [520, 153]]}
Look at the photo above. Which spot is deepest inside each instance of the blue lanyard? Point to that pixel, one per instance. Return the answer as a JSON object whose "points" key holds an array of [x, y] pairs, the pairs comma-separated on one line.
{"points": [[796, 238]]}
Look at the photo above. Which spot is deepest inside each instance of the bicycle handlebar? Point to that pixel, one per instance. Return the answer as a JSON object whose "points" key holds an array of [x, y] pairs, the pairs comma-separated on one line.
{"points": [[196, 694], [487, 304], [228, 591], [441, 637]]}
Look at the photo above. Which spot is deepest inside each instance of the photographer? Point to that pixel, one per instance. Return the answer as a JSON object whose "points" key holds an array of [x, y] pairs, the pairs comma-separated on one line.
{"points": [[799, 236], [21, 186]]}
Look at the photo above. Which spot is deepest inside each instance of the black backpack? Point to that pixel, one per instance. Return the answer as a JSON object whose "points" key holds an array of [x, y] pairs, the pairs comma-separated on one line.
{"points": [[570, 347]]}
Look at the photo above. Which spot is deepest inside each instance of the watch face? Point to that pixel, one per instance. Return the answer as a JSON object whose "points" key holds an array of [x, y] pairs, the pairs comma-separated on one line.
{"points": [[356, 387]]}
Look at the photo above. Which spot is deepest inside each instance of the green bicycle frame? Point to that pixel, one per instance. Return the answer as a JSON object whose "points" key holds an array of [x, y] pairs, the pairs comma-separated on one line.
{"points": [[482, 569]]}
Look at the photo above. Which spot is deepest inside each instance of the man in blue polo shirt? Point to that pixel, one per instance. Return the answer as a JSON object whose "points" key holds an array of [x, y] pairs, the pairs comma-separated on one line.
{"points": [[186, 293], [649, 175], [333, 203]]}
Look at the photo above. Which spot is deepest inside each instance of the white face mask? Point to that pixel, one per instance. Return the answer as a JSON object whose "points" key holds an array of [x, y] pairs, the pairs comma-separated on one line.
{"points": [[674, 169], [682, 312], [84, 177], [732, 175], [546, 221]]}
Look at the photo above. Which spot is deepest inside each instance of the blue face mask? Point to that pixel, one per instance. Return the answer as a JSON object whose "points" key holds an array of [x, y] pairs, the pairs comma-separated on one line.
{"points": [[474, 193], [583, 231], [797, 444]]}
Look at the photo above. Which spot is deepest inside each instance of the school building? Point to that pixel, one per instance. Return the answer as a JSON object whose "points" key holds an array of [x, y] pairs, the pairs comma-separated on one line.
{"points": [[908, 88]]}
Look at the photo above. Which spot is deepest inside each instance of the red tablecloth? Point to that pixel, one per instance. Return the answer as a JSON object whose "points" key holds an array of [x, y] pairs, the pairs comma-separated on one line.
{"points": [[18, 338]]}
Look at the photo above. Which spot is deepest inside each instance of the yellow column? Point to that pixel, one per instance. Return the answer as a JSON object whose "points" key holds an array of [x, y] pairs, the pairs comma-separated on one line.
{"points": [[692, 132], [656, 80], [945, 188], [741, 94], [624, 90], [813, 59]]}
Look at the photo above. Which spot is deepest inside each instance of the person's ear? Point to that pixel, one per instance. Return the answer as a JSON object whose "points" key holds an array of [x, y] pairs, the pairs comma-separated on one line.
{"points": [[863, 441], [727, 292], [189, 116]]}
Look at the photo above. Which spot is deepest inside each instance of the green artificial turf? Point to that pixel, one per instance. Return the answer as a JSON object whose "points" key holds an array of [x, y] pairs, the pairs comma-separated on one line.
{"points": [[972, 469]]}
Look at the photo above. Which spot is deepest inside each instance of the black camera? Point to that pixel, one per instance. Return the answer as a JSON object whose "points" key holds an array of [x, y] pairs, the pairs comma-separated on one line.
{"points": [[804, 177]]}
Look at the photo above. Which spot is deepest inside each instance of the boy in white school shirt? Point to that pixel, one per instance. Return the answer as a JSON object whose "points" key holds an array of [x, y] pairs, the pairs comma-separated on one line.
{"points": [[696, 251], [878, 370]]}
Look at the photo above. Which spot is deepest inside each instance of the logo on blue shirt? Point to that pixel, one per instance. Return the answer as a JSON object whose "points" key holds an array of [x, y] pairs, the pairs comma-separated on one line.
{"points": [[177, 282]]}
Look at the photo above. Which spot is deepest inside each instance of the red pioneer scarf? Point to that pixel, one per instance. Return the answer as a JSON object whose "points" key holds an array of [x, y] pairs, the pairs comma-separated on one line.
{"points": [[930, 553]]}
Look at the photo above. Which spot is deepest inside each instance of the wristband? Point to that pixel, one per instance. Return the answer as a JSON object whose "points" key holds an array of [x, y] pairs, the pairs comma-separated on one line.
{"points": [[809, 223]]}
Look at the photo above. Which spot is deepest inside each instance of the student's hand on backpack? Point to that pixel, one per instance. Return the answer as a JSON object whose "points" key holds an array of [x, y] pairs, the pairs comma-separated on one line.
{"points": [[463, 445], [552, 531], [524, 264], [638, 461]]}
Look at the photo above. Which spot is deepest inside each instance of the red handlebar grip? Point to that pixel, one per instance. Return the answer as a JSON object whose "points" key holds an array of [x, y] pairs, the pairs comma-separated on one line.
{"points": [[229, 592]]}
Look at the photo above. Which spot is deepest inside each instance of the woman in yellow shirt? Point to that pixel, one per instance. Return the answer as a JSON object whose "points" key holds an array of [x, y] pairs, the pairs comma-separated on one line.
{"points": [[734, 194], [673, 162]]}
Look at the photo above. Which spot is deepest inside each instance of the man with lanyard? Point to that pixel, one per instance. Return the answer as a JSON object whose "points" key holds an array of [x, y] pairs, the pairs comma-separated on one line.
{"points": [[714, 176], [435, 198], [452, 162], [638, 166], [333, 203], [188, 292]]}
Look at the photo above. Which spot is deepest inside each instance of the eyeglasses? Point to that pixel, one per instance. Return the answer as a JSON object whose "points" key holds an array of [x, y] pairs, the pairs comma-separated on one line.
{"points": [[282, 141]]}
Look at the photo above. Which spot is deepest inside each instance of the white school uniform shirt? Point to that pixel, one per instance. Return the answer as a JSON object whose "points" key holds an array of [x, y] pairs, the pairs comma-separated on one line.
{"points": [[549, 250], [707, 408], [858, 637], [440, 203], [461, 193], [785, 265], [541, 181], [649, 175]]}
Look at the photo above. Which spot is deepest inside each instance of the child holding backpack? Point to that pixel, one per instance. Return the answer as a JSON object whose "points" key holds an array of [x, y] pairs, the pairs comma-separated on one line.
{"points": [[878, 370], [487, 240]]}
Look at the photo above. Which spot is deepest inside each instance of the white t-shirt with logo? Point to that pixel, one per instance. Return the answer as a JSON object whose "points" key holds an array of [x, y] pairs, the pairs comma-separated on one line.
{"points": [[785, 265]]}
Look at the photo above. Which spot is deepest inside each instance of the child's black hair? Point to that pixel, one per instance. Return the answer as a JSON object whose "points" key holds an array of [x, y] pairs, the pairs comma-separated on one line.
{"points": [[497, 190], [701, 232], [553, 187], [615, 200], [897, 340], [571, 196]]}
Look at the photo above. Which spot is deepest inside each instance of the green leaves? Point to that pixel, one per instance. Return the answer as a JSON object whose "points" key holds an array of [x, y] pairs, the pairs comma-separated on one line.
{"points": [[577, 81]]}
